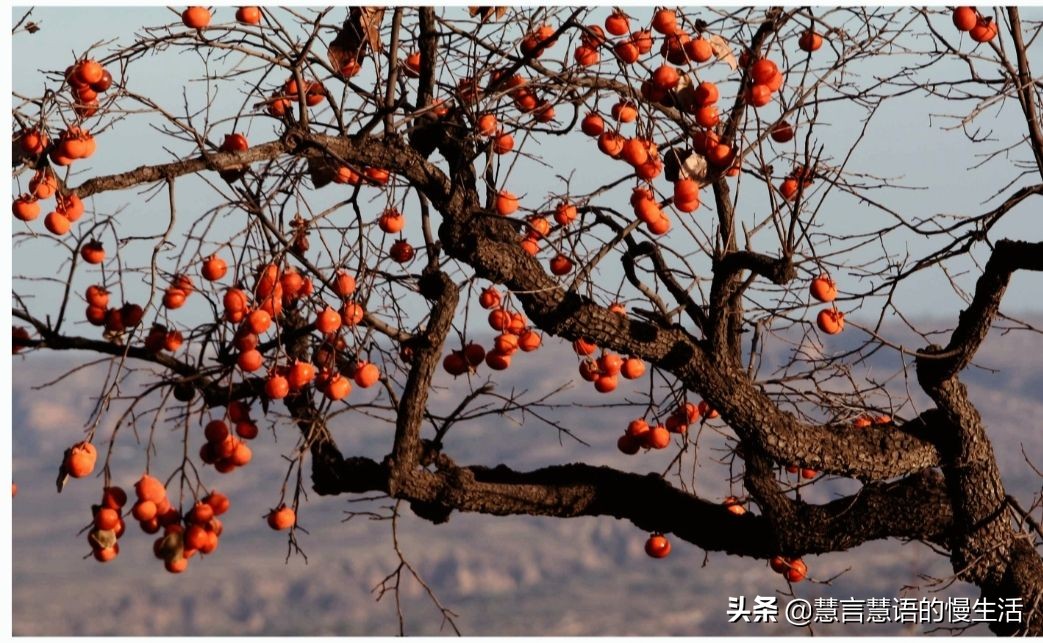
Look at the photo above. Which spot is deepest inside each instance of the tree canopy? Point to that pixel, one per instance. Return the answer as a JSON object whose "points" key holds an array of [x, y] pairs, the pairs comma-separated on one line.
{"points": [[348, 208]]}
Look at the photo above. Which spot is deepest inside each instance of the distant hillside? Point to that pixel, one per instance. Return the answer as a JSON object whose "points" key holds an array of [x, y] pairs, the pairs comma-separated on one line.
{"points": [[502, 576]]}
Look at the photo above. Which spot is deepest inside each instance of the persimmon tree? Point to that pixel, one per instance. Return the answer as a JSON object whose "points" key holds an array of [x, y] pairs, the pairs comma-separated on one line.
{"points": [[388, 184]]}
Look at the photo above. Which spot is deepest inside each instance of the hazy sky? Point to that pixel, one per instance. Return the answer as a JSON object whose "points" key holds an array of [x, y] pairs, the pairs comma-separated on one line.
{"points": [[904, 142]]}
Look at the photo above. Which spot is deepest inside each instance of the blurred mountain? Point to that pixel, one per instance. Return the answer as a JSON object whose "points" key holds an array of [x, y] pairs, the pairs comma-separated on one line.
{"points": [[500, 576]]}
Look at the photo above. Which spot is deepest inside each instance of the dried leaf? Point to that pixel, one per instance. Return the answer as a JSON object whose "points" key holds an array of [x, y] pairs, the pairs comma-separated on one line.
{"points": [[685, 164], [485, 12], [320, 170], [723, 51], [694, 167], [102, 538], [360, 30], [685, 91], [369, 21]]}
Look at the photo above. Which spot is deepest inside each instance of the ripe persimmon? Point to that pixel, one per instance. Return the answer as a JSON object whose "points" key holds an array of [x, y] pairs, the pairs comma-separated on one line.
{"points": [[706, 93], [113, 497], [391, 221], [214, 268], [499, 319], [592, 124], [584, 346], [473, 353], [628, 444], [489, 299], [172, 340], [33, 142], [965, 18], [763, 71], [609, 363], [352, 313], [565, 213], [985, 30], [830, 321], [611, 143], [658, 437], [732, 504], [665, 22], [617, 23], [80, 459], [250, 360], [758, 95], [529, 340], [624, 111], [412, 64], [378, 175], [674, 47], [107, 554], [503, 143], [200, 514], [97, 315], [106, 518], [506, 203], [707, 116], [587, 56], [497, 361], [327, 321], [560, 265], [401, 251], [242, 455], [56, 223], [699, 50], [196, 17], [276, 387], [637, 428], [456, 364], [823, 289], [627, 51], [487, 124], [634, 152], [69, 206], [195, 537], [25, 208], [174, 298], [216, 431], [659, 226], [632, 368], [782, 132], [343, 284], [235, 300], [248, 15], [144, 510], [367, 374], [666, 77], [301, 374], [281, 518], [657, 546], [810, 41], [606, 383], [246, 429], [218, 501], [796, 571], [150, 488]]}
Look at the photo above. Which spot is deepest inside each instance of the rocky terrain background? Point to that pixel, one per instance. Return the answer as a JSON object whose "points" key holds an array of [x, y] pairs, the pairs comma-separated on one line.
{"points": [[500, 576]]}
